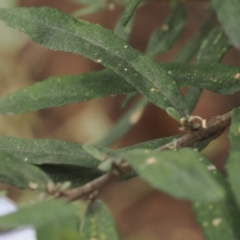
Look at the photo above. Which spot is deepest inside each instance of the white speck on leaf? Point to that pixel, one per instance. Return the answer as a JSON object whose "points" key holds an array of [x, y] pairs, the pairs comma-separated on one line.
{"points": [[32, 185], [165, 27], [216, 221], [125, 46], [99, 61], [136, 116], [25, 159], [151, 160], [211, 167], [237, 76]]}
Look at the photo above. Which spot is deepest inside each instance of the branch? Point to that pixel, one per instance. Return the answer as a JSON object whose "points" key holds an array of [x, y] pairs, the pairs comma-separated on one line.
{"points": [[215, 128]]}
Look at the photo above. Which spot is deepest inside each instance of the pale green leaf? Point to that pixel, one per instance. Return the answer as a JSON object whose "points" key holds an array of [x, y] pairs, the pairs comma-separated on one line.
{"points": [[213, 47], [190, 49], [173, 113], [219, 220], [129, 10], [163, 38], [186, 54], [128, 98], [59, 31], [16, 172], [91, 9], [124, 32], [52, 220], [212, 50], [233, 164], [99, 223], [87, 2], [229, 15], [178, 173]]}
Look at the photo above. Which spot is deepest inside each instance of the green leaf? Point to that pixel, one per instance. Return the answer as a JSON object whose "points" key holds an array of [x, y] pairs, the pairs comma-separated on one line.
{"points": [[64, 92], [53, 220], [128, 98], [76, 175], [124, 32], [218, 78], [229, 15], [94, 151], [191, 48], [21, 174], [178, 173], [233, 165], [129, 10], [59, 31], [91, 9], [47, 151], [173, 113], [59, 91], [87, 2], [192, 96], [163, 38], [213, 47], [187, 53], [219, 220], [212, 50], [99, 223], [123, 125]]}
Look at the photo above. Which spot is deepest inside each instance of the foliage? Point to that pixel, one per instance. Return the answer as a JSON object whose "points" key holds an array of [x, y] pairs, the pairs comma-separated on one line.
{"points": [[50, 165]]}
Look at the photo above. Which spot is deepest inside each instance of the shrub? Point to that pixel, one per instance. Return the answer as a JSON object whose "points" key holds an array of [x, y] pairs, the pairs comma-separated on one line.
{"points": [[167, 164]]}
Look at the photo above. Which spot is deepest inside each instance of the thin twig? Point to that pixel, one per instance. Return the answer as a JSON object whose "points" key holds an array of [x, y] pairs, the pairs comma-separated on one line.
{"points": [[215, 128]]}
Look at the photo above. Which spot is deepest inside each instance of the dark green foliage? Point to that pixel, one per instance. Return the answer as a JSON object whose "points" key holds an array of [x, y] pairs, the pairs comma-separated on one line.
{"points": [[51, 166]]}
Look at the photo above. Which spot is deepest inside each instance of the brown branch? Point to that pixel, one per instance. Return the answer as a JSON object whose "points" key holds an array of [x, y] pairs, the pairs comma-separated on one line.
{"points": [[215, 128]]}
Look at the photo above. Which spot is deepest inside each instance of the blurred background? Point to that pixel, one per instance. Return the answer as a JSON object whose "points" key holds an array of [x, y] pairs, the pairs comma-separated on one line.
{"points": [[140, 212]]}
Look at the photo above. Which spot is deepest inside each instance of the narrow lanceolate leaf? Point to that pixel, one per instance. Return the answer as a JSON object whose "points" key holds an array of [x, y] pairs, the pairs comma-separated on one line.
{"points": [[229, 15], [178, 173], [124, 32], [59, 91], [91, 9], [99, 223], [21, 174], [191, 48], [233, 164], [129, 10], [218, 78], [218, 220], [213, 47], [59, 31], [212, 50], [53, 93], [187, 53], [52, 220], [164, 37], [47, 151]]}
